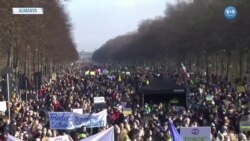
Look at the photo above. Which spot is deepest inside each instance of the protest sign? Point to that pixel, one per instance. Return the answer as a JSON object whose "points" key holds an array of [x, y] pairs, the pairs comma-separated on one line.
{"points": [[92, 73], [60, 138], [196, 133], [209, 97], [79, 111], [3, 106], [70, 120], [107, 135], [127, 111], [87, 72], [241, 89], [245, 123], [99, 100]]}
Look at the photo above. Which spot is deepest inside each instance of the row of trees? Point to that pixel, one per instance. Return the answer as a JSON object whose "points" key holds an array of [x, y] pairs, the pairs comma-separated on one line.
{"points": [[32, 43], [194, 33]]}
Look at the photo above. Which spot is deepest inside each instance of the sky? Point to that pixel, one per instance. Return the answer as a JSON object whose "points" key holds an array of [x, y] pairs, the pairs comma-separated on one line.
{"points": [[96, 21]]}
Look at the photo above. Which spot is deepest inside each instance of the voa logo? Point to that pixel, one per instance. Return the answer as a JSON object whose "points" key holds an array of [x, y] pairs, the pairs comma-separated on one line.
{"points": [[230, 13]]}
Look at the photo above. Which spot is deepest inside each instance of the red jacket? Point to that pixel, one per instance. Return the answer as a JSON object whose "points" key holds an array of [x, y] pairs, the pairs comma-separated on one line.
{"points": [[56, 105]]}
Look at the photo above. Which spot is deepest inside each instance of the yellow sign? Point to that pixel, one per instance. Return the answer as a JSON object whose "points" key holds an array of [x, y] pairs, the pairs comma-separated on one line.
{"points": [[53, 77], [127, 111], [245, 125], [86, 72], [241, 89], [92, 73]]}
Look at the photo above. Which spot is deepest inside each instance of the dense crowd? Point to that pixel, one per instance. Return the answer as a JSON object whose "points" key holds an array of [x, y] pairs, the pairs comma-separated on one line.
{"points": [[218, 104]]}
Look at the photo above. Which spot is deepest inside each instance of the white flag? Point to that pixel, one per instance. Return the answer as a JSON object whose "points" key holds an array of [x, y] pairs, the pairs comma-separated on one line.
{"points": [[12, 138], [107, 135]]}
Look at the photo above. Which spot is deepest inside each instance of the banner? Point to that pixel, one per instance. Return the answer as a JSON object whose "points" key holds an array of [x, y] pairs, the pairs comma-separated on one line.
{"points": [[79, 111], [70, 120], [107, 135], [196, 133], [3, 106], [12, 138], [60, 138]]}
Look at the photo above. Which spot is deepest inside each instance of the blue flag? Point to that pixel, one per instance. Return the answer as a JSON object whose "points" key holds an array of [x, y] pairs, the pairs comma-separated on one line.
{"points": [[174, 133]]}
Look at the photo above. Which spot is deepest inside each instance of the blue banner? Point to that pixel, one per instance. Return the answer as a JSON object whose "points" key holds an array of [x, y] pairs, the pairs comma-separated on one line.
{"points": [[70, 120]]}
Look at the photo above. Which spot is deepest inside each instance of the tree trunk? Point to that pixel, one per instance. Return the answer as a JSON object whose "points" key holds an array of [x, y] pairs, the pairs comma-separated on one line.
{"points": [[222, 64], [197, 63], [216, 64], [8, 57], [228, 64], [248, 61], [207, 69], [241, 64]]}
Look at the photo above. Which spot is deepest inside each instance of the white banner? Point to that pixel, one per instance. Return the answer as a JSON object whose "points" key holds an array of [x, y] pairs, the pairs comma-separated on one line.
{"points": [[12, 138], [60, 138], [107, 135], [196, 133], [70, 120], [3, 106], [100, 99], [79, 111]]}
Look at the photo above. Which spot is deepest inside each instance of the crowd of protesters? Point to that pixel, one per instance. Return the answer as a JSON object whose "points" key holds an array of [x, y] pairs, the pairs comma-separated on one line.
{"points": [[72, 88]]}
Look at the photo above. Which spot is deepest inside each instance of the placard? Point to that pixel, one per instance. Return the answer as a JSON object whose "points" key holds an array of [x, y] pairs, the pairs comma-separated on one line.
{"points": [[245, 123], [100, 99], [3, 106], [79, 111], [196, 133], [127, 111], [60, 138]]}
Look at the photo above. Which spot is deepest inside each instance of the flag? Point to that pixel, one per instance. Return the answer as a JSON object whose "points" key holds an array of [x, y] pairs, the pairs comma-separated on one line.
{"points": [[119, 79], [187, 75], [12, 138], [107, 135], [174, 133]]}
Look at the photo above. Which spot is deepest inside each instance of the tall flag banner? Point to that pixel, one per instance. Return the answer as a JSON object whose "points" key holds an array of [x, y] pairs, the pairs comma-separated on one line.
{"points": [[174, 133], [187, 75], [107, 135]]}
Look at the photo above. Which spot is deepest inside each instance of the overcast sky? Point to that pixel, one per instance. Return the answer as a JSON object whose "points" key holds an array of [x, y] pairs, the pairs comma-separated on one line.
{"points": [[96, 21]]}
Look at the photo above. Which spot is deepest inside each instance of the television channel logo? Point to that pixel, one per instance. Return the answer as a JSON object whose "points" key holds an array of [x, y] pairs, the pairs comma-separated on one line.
{"points": [[230, 13]]}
